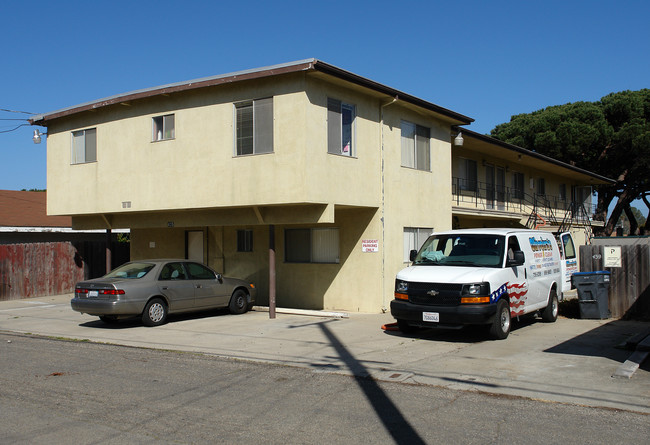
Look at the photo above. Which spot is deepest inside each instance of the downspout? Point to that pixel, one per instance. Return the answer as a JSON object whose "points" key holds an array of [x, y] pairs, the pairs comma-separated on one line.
{"points": [[383, 211]]}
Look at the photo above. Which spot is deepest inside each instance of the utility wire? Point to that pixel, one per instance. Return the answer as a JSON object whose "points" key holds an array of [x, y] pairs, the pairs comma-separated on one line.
{"points": [[14, 129], [14, 111]]}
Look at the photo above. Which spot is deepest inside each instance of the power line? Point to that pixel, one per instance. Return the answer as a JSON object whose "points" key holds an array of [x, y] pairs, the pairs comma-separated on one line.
{"points": [[15, 111], [14, 129]]}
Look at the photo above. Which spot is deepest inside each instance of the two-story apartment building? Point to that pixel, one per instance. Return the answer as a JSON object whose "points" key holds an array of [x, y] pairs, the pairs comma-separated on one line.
{"points": [[339, 174]]}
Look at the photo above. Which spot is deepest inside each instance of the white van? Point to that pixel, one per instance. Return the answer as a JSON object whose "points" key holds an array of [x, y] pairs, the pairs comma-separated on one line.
{"points": [[483, 276]]}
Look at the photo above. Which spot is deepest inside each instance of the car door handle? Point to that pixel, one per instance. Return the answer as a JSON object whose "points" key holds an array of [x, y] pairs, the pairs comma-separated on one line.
{"points": [[198, 286], [164, 288]]}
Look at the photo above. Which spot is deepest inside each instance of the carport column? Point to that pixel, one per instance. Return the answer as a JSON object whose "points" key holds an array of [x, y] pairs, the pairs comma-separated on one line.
{"points": [[108, 250], [271, 271]]}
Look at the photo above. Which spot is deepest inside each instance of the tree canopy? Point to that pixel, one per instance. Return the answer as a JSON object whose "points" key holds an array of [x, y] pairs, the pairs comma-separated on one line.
{"points": [[610, 137]]}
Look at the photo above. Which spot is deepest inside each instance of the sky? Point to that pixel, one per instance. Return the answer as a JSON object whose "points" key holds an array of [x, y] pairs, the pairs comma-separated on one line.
{"points": [[488, 60]]}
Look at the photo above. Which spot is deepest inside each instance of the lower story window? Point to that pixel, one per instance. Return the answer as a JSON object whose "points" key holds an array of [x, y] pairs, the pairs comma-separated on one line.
{"points": [[311, 245], [244, 241], [414, 237]]}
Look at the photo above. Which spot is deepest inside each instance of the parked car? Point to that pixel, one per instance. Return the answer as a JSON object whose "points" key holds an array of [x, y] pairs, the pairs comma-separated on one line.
{"points": [[153, 289]]}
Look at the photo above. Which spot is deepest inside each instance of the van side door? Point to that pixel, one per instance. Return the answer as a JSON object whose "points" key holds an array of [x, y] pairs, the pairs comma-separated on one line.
{"points": [[518, 283], [568, 260]]}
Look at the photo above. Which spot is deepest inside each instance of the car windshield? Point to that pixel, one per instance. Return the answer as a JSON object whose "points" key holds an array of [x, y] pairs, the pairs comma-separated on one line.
{"points": [[473, 250], [130, 270]]}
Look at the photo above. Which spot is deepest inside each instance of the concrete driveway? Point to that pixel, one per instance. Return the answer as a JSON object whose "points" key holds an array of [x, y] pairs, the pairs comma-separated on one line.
{"points": [[570, 361]]}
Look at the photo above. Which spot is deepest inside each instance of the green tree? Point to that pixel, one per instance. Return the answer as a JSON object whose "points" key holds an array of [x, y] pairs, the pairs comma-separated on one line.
{"points": [[610, 137]]}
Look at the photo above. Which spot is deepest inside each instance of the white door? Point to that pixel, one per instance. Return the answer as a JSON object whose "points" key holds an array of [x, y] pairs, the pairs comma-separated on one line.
{"points": [[194, 245], [568, 260]]}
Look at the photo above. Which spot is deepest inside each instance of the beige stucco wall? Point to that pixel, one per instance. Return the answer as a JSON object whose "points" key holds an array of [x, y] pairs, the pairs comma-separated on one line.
{"points": [[194, 182]]}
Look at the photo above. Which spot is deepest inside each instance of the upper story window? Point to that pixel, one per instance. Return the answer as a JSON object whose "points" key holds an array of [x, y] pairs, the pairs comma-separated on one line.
{"points": [[254, 128], [84, 146], [340, 127], [163, 128], [541, 187], [415, 146], [467, 176], [518, 185]]}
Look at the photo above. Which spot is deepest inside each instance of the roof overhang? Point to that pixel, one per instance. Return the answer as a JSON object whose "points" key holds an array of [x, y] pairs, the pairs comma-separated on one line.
{"points": [[306, 65], [521, 156]]}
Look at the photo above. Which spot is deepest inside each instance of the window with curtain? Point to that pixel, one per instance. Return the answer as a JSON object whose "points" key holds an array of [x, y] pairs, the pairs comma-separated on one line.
{"points": [[163, 128], [415, 146], [340, 127], [518, 185], [84, 146], [414, 237], [244, 241], [311, 245], [467, 174], [254, 127]]}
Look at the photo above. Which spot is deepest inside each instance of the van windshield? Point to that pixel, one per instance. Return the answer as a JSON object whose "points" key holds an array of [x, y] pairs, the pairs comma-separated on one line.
{"points": [[467, 250]]}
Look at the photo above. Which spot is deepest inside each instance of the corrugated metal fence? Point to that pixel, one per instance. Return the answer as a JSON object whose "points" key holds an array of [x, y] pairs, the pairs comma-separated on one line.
{"points": [[39, 269], [629, 289]]}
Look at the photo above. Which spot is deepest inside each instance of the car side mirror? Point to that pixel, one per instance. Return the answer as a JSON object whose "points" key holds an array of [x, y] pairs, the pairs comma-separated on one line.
{"points": [[413, 254], [219, 278], [518, 259]]}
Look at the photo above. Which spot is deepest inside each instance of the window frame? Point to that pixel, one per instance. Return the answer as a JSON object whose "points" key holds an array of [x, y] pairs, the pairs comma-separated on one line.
{"points": [[162, 128], [244, 240], [336, 127], [312, 247], [261, 127], [518, 192], [419, 154], [76, 150], [466, 183]]}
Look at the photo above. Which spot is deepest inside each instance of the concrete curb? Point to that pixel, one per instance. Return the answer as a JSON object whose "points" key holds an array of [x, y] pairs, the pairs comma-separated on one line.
{"points": [[311, 313]]}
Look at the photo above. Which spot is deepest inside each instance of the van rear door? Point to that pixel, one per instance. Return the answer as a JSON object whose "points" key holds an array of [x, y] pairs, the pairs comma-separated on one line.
{"points": [[568, 260]]}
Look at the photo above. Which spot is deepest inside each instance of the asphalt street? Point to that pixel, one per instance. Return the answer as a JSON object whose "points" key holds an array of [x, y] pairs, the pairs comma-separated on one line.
{"points": [[570, 361], [54, 392]]}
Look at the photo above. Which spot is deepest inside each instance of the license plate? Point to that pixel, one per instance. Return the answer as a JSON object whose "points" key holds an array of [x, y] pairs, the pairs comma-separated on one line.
{"points": [[93, 293], [431, 316]]}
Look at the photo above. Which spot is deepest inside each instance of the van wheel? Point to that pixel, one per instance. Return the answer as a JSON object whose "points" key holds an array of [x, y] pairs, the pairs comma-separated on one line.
{"points": [[500, 327], [405, 327], [549, 314]]}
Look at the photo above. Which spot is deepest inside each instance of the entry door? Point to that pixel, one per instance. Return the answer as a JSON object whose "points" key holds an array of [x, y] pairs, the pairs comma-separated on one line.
{"points": [[194, 245]]}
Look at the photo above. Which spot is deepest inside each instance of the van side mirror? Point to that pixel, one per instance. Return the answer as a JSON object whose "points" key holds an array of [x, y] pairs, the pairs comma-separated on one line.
{"points": [[413, 254], [518, 259]]}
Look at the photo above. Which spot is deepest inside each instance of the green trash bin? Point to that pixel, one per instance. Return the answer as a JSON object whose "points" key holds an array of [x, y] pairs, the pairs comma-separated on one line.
{"points": [[593, 293]]}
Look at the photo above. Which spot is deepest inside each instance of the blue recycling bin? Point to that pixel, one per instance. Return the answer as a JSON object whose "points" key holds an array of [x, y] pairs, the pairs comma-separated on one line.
{"points": [[593, 293]]}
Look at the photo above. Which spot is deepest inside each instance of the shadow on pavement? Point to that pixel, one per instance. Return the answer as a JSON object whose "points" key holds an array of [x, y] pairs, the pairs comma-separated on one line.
{"points": [[394, 421], [607, 341]]}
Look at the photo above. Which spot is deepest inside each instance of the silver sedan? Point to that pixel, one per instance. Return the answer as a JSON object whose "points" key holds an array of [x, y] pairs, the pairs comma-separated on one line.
{"points": [[153, 289]]}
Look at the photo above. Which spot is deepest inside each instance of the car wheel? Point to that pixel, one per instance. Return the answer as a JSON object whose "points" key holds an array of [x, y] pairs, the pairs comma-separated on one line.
{"points": [[405, 327], [108, 319], [238, 302], [155, 313], [549, 314], [500, 327]]}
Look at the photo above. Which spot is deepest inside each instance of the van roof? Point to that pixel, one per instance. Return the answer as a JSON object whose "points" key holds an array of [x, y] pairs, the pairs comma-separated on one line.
{"points": [[495, 231]]}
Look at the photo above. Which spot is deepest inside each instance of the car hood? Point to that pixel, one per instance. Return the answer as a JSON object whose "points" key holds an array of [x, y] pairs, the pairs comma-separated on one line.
{"points": [[445, 274]]}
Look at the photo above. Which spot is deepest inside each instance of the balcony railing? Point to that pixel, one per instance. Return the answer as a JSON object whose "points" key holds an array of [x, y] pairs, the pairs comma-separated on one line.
{"points": [[554, 210]]}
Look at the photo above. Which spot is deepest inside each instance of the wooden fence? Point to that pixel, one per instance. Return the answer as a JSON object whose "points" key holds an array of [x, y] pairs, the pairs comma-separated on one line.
{"points": [[40, 269], [629, 289]]}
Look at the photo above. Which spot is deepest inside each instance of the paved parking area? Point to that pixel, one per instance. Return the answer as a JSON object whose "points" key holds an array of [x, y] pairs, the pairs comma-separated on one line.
{"points": [[570, 361]]}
